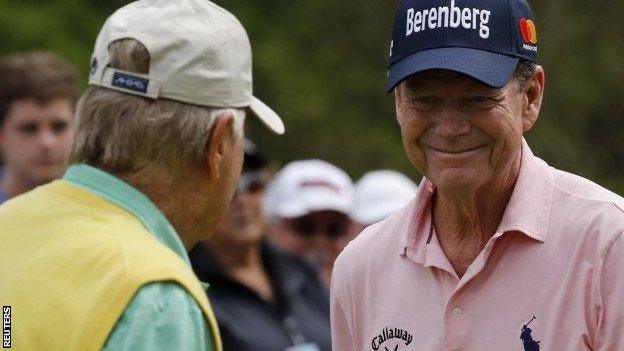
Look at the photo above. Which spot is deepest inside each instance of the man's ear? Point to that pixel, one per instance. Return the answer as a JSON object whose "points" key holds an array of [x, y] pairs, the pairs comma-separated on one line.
{"points": [[533, 94], [398, 99], [218, 144]]}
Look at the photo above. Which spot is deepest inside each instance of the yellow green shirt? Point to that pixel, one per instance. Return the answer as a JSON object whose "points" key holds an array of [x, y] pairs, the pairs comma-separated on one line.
{"points": [[77, 248]]}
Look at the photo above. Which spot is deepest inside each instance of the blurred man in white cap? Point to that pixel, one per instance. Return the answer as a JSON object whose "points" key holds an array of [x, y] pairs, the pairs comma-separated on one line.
{"points": [[158, 151], [378, 194], [258, 291], [308, 204]]}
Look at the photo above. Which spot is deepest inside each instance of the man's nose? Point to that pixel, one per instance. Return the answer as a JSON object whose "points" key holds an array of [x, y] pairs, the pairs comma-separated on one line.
{"points": [[47, 138], [451, 124]]}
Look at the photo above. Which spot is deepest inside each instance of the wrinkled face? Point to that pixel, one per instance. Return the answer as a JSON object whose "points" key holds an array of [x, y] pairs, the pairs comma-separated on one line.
{"points": [[36, 139], [458, 133], [244, 222]]}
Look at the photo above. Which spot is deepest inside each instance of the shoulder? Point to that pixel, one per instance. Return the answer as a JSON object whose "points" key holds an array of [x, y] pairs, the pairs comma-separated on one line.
{"points": [[377, 244], [175, 321], [292, 271], [159, 298], [577, 200], [584, 190]]}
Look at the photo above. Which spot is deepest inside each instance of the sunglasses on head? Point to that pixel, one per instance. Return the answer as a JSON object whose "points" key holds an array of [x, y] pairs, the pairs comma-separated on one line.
{"points": [[309, 228]]}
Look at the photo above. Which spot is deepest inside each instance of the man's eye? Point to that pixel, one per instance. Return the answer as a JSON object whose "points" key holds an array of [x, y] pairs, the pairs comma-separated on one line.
{"points": [[58, 127], [29, 128], [423, 102], [481, 99]]}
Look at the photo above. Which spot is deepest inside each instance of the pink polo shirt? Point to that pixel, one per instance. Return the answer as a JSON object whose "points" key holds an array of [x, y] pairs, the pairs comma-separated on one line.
{"points": [[557, 255]]}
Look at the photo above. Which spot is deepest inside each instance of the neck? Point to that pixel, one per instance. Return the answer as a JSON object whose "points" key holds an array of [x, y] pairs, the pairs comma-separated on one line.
{"points": [[474, 216], [243, 264], [236, 257], [13, 185], [184, 205]]}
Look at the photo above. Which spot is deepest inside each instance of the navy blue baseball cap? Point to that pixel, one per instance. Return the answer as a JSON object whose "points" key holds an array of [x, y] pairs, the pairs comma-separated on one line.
{"points": [[483, 39]]}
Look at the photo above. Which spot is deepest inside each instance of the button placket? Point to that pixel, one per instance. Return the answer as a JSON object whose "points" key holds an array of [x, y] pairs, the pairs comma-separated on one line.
{"points": [[457, 312], [455, 323]]}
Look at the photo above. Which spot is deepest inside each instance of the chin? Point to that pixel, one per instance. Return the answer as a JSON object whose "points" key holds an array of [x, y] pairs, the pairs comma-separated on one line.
{"points": [[42, 180], [458, 182], [44, 176]]}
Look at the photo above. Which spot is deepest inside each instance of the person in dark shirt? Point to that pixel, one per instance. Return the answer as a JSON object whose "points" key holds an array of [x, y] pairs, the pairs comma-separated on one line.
{"points": [[264, 298]]}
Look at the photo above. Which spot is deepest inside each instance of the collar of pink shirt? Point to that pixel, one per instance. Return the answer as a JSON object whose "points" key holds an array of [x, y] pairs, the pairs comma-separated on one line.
{"points": [[527, 212]]}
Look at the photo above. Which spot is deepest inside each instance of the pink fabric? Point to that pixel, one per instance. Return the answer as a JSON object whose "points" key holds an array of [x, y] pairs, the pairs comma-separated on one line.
{"points": [[558, 255]]}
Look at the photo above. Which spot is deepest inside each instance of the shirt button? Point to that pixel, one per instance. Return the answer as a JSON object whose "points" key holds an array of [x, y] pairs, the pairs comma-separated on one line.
{"points": [[456, 312]]}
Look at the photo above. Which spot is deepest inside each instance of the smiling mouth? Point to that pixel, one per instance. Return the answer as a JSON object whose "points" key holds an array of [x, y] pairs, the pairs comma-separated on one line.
{"points": [[457, 152]]}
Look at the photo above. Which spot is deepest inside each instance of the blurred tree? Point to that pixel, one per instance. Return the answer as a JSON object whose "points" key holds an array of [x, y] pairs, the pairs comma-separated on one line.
{"points": [[322, 65]]}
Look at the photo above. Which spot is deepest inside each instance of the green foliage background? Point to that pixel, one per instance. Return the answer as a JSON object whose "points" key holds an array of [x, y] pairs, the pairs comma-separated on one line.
{"points": [[322, 65]]}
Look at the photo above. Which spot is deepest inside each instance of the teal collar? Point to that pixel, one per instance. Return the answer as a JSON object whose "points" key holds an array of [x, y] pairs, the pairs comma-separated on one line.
{"points": [[127, 197]]}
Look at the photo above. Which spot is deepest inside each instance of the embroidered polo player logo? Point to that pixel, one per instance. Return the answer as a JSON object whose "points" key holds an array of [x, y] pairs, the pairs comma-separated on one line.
{"points": [[527, 338], [386, 335]]}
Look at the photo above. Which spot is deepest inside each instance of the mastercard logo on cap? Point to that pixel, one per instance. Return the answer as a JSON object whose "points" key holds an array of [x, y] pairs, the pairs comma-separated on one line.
{"points": [[528, 30]]}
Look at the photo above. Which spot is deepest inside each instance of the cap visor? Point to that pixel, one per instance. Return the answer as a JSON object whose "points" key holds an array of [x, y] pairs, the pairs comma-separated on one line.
{"points": [[487, 67], [267, 116]]}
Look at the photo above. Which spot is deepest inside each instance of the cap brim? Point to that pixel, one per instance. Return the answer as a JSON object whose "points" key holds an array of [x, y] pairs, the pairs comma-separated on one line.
{"points": [[487, 67], [290, 211], [267, 116]]}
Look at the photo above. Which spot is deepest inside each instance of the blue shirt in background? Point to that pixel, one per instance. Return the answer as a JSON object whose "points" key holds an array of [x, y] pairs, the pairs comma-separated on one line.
{"points": [[3, 196]]}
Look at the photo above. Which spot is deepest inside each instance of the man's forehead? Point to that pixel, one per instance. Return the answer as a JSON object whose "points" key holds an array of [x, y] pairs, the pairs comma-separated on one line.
{"points": [[441, 78], [30, 109]]}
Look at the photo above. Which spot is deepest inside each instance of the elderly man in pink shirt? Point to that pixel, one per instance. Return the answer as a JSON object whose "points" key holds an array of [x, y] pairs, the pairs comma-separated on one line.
{"points": [[497, 251]]}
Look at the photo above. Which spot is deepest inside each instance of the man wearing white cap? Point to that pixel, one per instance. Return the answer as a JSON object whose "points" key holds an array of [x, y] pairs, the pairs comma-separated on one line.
{"points": [[159, 147], [308, 206], [378, 194]]}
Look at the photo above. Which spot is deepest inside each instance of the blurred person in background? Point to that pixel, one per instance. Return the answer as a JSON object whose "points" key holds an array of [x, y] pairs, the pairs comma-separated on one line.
{"points": [[98, 260], [309, 204], [378, 194], [38, 91], [264, 298]]}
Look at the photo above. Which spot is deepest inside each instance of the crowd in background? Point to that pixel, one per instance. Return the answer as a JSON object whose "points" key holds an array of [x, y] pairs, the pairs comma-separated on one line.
{"points": [[269, 264]]}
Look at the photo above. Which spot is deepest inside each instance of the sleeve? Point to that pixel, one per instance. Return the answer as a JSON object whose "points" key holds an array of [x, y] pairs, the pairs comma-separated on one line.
{"points": [[342, 338], [161, 316], [610, 296]]}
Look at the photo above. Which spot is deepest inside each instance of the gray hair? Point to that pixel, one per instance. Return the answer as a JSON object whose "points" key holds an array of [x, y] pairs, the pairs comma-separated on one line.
{"points": [[127, 133], [523, 73]]}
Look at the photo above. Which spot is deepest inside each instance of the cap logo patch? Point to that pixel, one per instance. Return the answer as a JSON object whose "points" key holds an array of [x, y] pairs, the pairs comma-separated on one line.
{"points": [[130, 82], [93, 67], [319, 184], [528, 30], [448, 16]]}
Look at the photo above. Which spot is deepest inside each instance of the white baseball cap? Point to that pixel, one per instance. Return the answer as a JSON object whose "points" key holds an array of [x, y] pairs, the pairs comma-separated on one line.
{"points": [[380, 193], [303, 187], [199, 54]]}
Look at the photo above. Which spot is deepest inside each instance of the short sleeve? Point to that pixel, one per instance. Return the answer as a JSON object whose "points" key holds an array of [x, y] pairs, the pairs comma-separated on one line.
{"points": [[610, 293], [342, 338], [161, 316]]}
